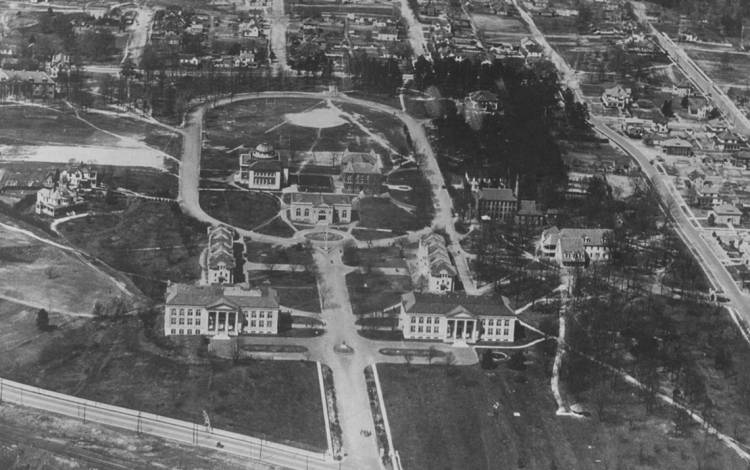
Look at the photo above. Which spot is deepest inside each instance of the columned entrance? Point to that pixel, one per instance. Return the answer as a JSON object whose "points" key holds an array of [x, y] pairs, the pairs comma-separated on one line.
{"points": [[461, 330], [223, 322]]}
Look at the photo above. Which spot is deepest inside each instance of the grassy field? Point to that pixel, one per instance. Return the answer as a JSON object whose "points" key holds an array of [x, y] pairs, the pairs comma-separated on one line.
{"points": [[420, 194], [24, 125], [384, 214], [44, 275], [152, 242], [725, 66], [265, 253], [117, 362], [298, 290], [152, 135], [251, 122], [243, 209], [442, 418], [278, 228], [387, 257], [374, 291], [364, 234]]}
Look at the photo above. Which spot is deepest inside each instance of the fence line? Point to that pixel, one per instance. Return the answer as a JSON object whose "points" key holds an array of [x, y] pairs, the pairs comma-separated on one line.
{"points": [[149, 423]]}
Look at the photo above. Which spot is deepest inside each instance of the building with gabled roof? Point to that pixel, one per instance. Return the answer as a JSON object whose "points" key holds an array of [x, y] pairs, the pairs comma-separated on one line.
{"points": [[434, 264], [360, 172], [217, 261], [321, 208], [456, 318], [496, 203], [220, 310], [576, 246]]}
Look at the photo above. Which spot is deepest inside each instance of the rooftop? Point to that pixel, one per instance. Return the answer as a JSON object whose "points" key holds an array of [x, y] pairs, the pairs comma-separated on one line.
{"points": [[233, 296], [451, 304]]}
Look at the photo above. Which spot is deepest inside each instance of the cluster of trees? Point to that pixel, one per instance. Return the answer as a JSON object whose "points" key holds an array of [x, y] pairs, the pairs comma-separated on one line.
{"points": [[373, 73], [456, 78], [720, 15]]}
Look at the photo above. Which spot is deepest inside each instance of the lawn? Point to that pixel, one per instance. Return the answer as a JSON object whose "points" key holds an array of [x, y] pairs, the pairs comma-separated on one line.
{"points": [[420, 194], [153, 242], [45, 275], [150, 134], [29, 125], [384, 214], [141, 180], [441, 418], [258, 252], [365, 235], [118, 362], [278, 228], [298, 290], [381, 257], [374, 291], [243, 209]]}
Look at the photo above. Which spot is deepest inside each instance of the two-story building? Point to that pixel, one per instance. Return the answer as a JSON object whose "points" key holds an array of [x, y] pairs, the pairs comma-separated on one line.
{"points": [[58, 201], [726, 214], [360, 172], [576, 246], [262, 169], [617, 97], [217, 260], [496, 203], [456, 318], [220, 310], [676, 146], [434, 264], [321, 208]]}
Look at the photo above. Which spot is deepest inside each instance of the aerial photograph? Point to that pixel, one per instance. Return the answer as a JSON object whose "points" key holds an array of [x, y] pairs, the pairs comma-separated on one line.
{"points": [[375, 234]]}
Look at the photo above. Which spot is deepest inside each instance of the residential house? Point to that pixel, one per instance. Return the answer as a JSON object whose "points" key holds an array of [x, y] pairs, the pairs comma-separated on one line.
{"points": [[634, 127], [529, 213], [742, 159], [676, 146], [482, 101], [728, 142], [58, 201], [708, 195], [434, 264], [616, 97], [699, 107], [576, 246], [531, 49], [217, 260], [28, 84], [220, 310], [496, 203], [322, 209], [456, 318], [726, 214], [386, 34], [262, 169]]}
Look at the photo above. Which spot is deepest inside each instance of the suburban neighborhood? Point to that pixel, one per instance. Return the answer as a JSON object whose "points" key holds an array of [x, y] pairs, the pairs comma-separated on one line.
{"points": [[424, 234]]}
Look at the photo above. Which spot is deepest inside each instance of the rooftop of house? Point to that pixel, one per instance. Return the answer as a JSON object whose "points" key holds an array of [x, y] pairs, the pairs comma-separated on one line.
{"points": [[726, 209], [264, 165], [676, 142], [321, 199], [25, 76], [588, 236], [360, 167], [483, 96], [235, 296], [453, 304], [496, 194]]}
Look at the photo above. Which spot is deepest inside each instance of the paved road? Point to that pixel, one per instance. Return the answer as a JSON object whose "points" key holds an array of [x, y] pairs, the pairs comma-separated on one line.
{"points": [[696, 75], [673, 204], [190, 433], [279, 24], [672, 201]]}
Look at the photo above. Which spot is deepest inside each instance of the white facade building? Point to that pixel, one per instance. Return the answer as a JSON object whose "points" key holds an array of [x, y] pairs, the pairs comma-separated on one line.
{"points": [[456, 318], [220, 310], [576, 246], [217, 260], [434, 264]]}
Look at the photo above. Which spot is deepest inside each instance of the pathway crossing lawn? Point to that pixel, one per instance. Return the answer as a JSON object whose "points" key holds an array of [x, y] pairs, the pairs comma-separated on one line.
{"points": [[124, 363], [243, 209], [442, 419]]}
